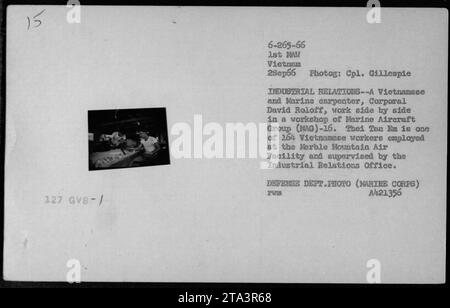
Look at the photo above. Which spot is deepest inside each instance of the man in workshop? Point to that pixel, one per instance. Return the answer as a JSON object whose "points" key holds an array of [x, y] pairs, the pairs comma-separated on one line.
{"points": [[149, 143]]}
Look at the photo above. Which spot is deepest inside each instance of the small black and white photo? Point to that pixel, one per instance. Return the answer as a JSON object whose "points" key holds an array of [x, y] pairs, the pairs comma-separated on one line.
{"points": [[125, 138]]}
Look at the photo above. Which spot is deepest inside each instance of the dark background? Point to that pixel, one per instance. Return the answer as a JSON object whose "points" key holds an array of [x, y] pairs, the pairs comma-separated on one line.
{"points": [[129, 121]]}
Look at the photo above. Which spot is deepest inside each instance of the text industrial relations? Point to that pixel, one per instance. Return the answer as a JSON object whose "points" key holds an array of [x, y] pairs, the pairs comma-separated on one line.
{"points": [[343, 91]]}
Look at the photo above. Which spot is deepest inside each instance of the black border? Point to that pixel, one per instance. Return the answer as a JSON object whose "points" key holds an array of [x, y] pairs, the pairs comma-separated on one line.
{"points": [[269, 3], [168, 292]]}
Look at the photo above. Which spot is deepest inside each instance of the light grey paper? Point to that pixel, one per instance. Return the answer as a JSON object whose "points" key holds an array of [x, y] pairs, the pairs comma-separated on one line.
{"points": [[213, 220]]}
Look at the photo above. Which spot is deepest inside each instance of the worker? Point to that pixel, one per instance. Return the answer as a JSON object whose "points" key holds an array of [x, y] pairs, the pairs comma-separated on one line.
{"points": [[149, 143]]}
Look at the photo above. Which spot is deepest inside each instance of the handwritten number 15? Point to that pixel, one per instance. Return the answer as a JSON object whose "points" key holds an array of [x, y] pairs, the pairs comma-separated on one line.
{"points": [[36, 22]]}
